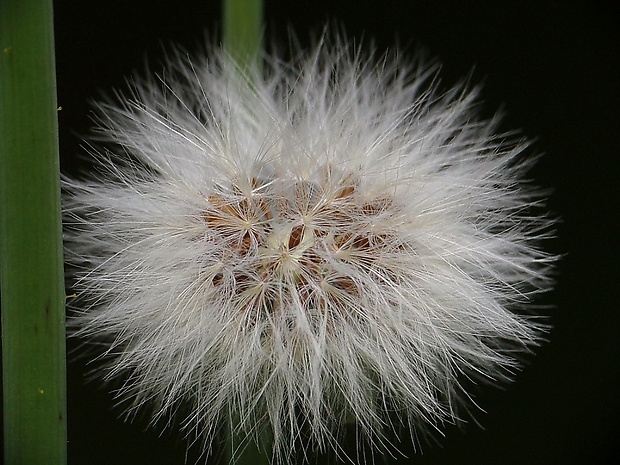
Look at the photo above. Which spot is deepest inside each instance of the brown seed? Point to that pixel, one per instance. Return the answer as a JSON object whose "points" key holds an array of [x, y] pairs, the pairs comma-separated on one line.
{"points": [[221, 216], [346, 284], [296, 236], [346, 192], [217, 279]]}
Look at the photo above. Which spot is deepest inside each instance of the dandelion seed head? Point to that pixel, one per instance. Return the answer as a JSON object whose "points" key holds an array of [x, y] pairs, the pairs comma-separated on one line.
{"points": [[336, 241]]}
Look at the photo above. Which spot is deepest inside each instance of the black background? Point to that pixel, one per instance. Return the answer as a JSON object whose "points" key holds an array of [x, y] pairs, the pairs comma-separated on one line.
{"points": [[553, 68]]}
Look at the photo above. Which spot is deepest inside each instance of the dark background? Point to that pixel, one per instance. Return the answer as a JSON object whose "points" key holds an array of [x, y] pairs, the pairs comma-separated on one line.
{"points": [[552, 66]]}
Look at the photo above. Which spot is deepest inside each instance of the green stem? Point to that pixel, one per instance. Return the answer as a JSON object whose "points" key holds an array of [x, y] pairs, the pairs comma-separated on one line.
{"points": [[243, 31], [242, 38], [243, 450], [31, 263]]}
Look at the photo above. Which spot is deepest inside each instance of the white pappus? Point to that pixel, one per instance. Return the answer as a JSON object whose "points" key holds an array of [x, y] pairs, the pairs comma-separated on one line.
{"points": [[333, 240]]}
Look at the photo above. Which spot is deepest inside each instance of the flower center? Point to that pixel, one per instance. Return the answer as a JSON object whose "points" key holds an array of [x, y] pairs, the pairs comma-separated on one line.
{"points": [[317, 244]]}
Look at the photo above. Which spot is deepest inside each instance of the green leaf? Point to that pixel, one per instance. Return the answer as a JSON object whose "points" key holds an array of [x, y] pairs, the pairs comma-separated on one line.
{"points": [[31, 262]]}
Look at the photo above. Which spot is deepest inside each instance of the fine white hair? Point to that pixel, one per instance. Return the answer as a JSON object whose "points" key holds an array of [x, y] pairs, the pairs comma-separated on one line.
{"points": [[332, 240]]}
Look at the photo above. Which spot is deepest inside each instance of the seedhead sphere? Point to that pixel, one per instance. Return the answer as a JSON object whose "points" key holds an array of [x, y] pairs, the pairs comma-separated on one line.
{"points": [[335, 240]]}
